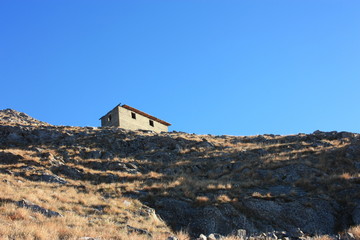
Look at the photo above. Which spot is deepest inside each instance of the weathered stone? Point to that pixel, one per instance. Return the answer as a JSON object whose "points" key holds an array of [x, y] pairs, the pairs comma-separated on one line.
{"points": [[289, 216], [293, 172], [202, 237], [172, 238], [107, 155], [209, 219], [13, 116], [215, 236], [94, 154], [349, 236], [9, 158], [70, 172], [15, 138], [45, 177], [240, 233], [131, 229], [36, 208]]}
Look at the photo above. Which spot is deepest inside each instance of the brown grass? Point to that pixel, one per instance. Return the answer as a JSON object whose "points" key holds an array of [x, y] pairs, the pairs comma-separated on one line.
{"points": [[90, 206], [324, 237], [81, 215], [355, 231]]}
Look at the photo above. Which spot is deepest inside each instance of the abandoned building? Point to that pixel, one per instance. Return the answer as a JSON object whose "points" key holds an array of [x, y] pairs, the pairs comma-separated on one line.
{"points": [[130, 118]]}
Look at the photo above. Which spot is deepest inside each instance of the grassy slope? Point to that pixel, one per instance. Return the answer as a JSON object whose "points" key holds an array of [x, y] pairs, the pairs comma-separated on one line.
{"points": [[204, 170]]}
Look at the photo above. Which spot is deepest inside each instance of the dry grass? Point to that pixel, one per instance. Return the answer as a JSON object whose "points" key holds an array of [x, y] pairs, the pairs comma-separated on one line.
{"points": [[324, 237], [202, 200], [204, 175], [85, 214], [355, 231]]}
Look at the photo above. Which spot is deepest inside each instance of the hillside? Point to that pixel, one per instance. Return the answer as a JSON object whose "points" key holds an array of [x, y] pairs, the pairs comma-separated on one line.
{"points": [[63, 182]]}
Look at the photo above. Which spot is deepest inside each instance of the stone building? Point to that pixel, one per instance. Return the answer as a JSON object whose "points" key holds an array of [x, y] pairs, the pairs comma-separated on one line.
{"points": [[130, 118]]}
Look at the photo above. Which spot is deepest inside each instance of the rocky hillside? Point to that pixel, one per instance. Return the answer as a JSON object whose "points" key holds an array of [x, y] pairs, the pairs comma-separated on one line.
{"points": [[139, 184], [9, 117]]}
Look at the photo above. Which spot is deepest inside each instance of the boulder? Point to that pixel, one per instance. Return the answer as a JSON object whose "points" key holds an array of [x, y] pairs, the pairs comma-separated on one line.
{"points": [[45, 177], [172, 238], [9, 158], [36, 208], [313, 216], [292, 173], [15, 138], [70, 172], [131, 229], [220, 219], [202, 237], [215, 236]]}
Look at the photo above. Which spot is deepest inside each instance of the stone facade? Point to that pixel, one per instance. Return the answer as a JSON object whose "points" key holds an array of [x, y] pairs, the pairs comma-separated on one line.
{"points": [[130, 118]]}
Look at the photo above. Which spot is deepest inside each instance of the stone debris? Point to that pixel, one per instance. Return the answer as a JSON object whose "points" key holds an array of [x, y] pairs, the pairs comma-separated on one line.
{"points": [[46, 177], [172, 238], [36, 208], [131, 229], [14, 117]]}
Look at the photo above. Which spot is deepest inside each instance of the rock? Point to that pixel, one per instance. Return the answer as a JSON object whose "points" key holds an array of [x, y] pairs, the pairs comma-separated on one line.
{"points": [[205, 144], [346, 135], [12, 116], [357, 165], [15, 138], [178, 149], [70, 172], [240, 233], [215, 236], [9, 158], [281, 234], [220, 219], [94, 155], [131, 165], [125, 167], [172, 238], [138, 231], [237, 166], [202, 237], [271, 236], [353, 152], [107, 155], [349, 236], [45, 177], [6, 171], [47, 156], [294, 172], [289, 216], [36, 208]]}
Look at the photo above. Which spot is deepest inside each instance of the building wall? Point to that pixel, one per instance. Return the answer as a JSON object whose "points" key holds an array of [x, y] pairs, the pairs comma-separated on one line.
{"points": [[115, 119], [141, 122], [122, 117]]}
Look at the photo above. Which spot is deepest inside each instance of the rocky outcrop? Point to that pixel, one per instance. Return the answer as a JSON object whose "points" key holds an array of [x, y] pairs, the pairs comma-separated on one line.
{"points": [[204, 184], [36, 208], [10, 116], [254, 215]]}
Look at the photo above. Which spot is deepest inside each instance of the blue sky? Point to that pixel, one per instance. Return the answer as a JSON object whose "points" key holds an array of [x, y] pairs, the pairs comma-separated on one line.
{"points": [[207, 67]]}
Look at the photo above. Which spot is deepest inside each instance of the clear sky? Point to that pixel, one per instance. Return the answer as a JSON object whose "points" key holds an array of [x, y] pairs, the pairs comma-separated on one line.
{"points": [[208, 67]]}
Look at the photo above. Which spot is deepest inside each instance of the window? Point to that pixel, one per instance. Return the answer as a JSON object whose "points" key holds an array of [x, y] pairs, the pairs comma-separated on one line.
{"points": [[109, 118], [133, 115], [151, 122]]}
